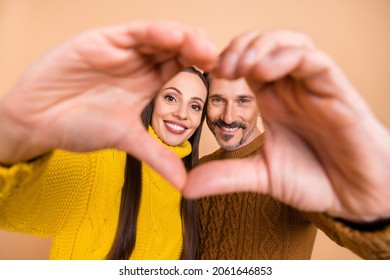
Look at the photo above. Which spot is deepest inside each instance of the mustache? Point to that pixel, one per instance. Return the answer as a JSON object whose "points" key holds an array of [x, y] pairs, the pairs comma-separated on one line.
{"points": [[221, 123]]}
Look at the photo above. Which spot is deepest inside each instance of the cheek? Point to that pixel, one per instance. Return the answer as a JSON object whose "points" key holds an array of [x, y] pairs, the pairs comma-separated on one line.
{"points": [[161, 111], [251, 119], [213, 112], [157, 116], [196, 120], [155, 125]]}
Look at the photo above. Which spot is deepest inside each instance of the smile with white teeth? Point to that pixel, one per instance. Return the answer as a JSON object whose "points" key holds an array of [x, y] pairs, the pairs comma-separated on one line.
{"points": [[229, 129], [175, 126]]}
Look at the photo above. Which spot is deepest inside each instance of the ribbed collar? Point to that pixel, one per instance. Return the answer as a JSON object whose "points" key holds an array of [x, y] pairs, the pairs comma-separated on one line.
{"points": [[182, 150], [243, 151]]}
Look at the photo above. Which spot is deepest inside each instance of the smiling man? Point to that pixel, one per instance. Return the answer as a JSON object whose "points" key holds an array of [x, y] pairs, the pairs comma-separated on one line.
{"points": [[251, 225], [248, 225], [243, 225], [232, 113]]}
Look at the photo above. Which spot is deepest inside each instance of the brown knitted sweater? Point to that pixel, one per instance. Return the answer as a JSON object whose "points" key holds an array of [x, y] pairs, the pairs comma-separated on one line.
{"points": [[256, 226]]}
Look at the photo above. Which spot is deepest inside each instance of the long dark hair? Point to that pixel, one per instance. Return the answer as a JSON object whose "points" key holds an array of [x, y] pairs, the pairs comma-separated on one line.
{"points": [[125, 238]]}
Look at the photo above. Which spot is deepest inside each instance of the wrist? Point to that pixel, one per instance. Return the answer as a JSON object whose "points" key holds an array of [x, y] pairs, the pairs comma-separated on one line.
{"points": [[367, 226], [17, 144]]}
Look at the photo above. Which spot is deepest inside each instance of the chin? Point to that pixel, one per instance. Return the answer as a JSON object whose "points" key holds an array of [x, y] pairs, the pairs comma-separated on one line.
{"points": [[174, 143]]}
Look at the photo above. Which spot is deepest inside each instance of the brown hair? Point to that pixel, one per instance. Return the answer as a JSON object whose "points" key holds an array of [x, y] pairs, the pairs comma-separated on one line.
{"points": [[125, 238]]}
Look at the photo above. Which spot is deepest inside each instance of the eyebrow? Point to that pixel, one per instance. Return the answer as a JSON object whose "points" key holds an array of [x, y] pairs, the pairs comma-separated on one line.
{"points": [[179, 92], [239, 96], [246, 96], [215, 95]]}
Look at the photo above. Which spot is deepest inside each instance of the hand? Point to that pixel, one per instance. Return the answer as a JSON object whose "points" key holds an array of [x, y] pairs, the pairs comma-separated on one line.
{"points": [[324, 149], [89, 92]]}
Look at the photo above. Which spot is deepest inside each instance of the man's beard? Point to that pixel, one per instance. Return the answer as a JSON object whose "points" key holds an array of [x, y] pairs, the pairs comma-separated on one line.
{"points": [[227, 137]]}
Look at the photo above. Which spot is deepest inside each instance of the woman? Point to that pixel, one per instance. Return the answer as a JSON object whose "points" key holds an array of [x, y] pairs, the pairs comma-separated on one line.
{"points": [[76, 198], [175, 116]]}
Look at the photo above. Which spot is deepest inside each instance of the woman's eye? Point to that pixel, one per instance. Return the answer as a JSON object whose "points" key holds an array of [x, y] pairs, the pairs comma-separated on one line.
{"points": [[169, 98], [196, 107]]}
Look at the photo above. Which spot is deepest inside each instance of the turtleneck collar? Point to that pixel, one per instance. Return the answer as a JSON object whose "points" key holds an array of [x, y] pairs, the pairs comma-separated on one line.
{"points": [[181, 150], [242, 151]]}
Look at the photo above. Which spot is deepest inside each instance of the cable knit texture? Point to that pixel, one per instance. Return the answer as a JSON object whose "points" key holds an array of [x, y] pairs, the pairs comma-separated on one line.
{"points": [[74, 198], [159, 227], [256, 226]]}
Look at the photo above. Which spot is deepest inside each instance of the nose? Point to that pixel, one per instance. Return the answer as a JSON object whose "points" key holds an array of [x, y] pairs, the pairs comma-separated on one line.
{"points": [[229, 113], [181, 112]]}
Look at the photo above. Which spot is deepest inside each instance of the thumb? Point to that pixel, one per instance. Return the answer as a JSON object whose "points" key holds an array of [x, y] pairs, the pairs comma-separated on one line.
{"points": [[153, 153], [227, 176]]}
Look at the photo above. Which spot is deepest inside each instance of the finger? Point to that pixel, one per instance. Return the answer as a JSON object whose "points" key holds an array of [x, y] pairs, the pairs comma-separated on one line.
{"points": [[274, 66], [275, 54], [231, 55], [251, 48], [199, 50], [226, 176], [191, 43], [319, 73], [150, 151], [270, 42]]}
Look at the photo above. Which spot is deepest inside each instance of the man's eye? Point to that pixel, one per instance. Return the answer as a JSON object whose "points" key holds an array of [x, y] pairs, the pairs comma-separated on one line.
{"points": [[243, 101], [216, 100]]}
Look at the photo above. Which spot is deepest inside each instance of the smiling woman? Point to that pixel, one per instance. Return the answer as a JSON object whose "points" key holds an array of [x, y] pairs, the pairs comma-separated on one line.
{"points": [[108, 204], [174, 116], [178, 107]]}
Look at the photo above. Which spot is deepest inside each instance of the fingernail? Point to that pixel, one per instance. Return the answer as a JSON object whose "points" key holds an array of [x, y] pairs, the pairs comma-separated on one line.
{"points": [[228, 64], [248, 59], [212, 57]]}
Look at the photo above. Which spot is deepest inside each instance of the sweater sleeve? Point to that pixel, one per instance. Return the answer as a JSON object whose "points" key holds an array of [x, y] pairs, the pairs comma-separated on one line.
{"points": [[366, 244], [37, 197]]}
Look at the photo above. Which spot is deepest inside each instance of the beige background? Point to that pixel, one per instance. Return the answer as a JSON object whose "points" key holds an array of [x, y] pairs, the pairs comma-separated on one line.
{"points": [[355, 32]]}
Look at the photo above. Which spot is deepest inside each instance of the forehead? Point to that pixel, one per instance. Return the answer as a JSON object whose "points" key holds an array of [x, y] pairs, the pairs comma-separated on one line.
{"points": [[229, 88], [189, 84]]}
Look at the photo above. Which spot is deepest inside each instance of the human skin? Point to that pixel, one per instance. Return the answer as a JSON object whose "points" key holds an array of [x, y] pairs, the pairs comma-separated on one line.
{"points": [[178, 108], [232, 113], [88, 93], [315, 157]]}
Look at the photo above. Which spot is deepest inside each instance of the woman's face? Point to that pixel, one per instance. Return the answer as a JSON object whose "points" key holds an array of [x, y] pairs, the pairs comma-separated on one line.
{"points": [[178, 108]]}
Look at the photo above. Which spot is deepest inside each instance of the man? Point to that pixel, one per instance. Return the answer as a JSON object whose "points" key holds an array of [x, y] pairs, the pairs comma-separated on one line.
{"points": [[245, 225], [308, 157]]}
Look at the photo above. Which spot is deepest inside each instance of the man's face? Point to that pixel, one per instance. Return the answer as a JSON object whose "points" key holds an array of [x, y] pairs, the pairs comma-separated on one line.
{"points": [[232, 113]]}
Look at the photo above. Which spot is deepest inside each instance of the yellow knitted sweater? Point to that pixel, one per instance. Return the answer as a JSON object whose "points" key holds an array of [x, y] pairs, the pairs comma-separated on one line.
{"points": [[74, 198]]}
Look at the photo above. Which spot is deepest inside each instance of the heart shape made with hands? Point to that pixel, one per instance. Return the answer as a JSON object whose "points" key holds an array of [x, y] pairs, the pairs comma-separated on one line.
{"points": [[86, 93]]}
